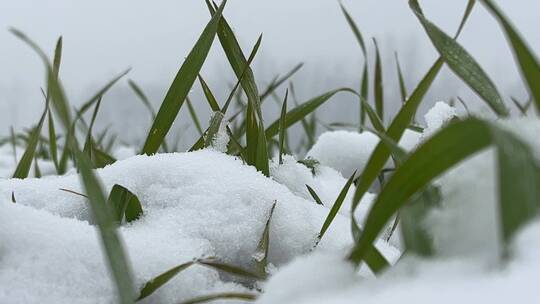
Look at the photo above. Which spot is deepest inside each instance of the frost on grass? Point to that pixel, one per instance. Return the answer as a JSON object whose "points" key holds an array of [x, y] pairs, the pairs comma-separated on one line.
{"points": [[196, 204]]}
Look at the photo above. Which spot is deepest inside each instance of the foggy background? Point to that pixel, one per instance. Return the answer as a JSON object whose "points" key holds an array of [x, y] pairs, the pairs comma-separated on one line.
{"points": [[103, 38]]}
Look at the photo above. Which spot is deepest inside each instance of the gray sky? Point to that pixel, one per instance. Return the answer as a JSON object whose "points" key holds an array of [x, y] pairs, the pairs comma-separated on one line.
{"points": [[103, 37]]}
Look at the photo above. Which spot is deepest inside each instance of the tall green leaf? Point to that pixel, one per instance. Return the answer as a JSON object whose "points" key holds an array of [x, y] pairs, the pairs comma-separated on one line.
{"points": [[181, 85], [23, 167], [528, 62], [462, 63], [378, 83], [519, 177]]}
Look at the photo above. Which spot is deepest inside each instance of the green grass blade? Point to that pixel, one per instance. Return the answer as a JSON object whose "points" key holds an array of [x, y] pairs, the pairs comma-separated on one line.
{"points": [[282, 128], [23, 167], [117, 262], [212, 101], [261, 253], [222, 296], [519, 177], [261, 161], [354, 29], [462, 63], [89, 144], [519, 106], [337, 205], [468, 11], [402, 87], [194, 117], [381, 153], [314, 195], [53, 147], [528, 62], [142, 96], [301, 111], [378, 83], [151, 286], [181, 85], [213, 129], [125, 204], [230, 269], [279, 81]]}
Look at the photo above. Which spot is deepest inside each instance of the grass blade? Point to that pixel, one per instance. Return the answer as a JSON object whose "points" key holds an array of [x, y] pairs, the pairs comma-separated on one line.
{"points": [[337, 205], [151, 286], [142, 96], [279, 81], [314, 195], [125, 204], [194, 117], [462, 63], [301, 111], [402, 87], [230, 269], [282, 128], [222, 296], [181, 85], [518, 177], [528, 62], [261, 253], [23, 167], [212, 101], [378, 83]]}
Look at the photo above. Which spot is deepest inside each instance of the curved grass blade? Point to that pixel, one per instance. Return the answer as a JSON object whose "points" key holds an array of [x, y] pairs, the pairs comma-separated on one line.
{"points": [[181, 85], [462, 63], [116, 258], [125, 204], [519, 176], [314, 195], [335, 208], [402, 87], [230, 269], [261, 253], [528, 62], [23, 167], [151, 286], [142, 96], [222, 296], [301, 111]]}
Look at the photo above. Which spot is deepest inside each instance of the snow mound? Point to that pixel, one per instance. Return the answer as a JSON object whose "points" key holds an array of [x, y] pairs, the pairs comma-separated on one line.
{"points": [[347, 151], [196, 204], [439, 115]]}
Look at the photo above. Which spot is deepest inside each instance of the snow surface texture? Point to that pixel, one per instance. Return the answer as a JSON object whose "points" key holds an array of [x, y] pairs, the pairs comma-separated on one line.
{"points": [[206, 203], [465, 231], [347, 151], [196, 204]]}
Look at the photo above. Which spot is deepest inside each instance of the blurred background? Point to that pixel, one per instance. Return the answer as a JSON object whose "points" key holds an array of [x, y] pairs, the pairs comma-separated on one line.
{"points": [[103, 38]]}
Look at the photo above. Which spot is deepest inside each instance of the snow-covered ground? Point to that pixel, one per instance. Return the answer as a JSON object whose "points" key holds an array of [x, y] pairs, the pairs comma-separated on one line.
{"points": [[206, 203]]}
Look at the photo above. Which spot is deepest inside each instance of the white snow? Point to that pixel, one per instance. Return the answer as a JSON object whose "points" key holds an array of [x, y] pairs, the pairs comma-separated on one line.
{"points": [[206, 203], [347, 151], [195, 204], [439, 115]]}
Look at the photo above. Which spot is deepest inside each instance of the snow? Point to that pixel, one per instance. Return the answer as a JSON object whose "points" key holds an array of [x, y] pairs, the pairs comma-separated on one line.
{"points": [[206, 203], [347, 151], [202, 203], [438, 116], [413, 281]]}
